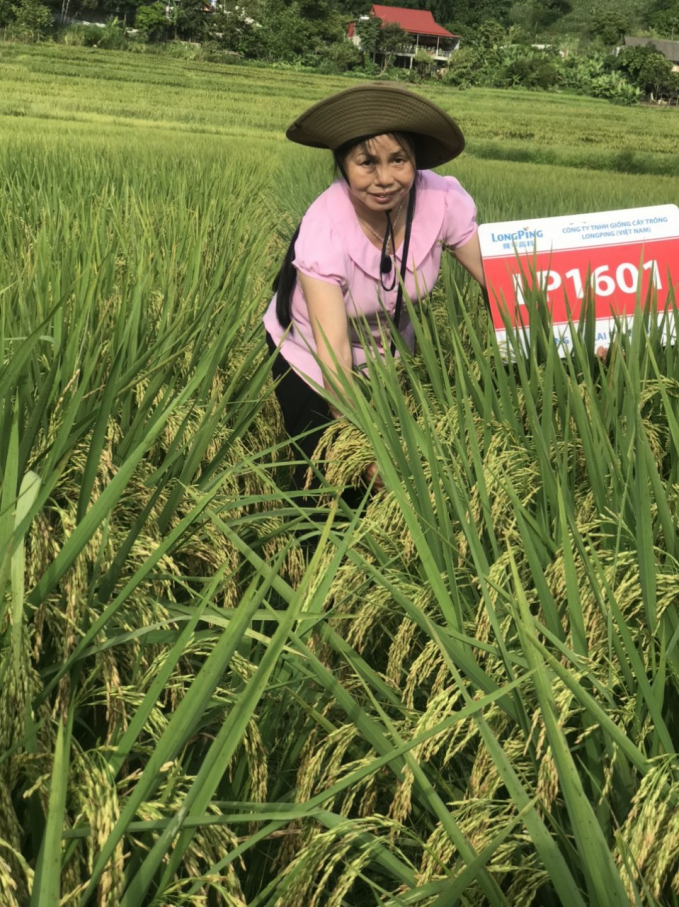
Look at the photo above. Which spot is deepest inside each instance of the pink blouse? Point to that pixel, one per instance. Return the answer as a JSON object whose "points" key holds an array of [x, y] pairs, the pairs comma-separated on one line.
{"points": [[331, 246]]}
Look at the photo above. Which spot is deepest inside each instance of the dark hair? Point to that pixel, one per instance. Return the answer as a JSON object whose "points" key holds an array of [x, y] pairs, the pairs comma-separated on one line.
{"points": [[284, 283], [286, 279]]}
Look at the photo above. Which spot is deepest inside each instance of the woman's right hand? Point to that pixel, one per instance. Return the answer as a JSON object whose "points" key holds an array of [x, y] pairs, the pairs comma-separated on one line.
{"points": [[372, 475], [330, 326]]}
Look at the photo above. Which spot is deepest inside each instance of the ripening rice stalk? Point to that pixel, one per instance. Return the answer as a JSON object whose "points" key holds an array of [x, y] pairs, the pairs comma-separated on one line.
{"points": [[546, 483], [465, 695], [134, 394]]}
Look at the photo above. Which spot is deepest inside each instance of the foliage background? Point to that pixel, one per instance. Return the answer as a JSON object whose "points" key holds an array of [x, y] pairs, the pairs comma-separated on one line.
{"points": [[560, 45]]}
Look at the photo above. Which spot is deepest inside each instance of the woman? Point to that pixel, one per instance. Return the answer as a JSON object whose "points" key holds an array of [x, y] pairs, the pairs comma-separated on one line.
{"points": [[377, 230]]}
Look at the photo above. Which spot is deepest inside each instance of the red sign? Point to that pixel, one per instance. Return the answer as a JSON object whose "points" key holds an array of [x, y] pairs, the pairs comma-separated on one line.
{"points": [[613, 258]]}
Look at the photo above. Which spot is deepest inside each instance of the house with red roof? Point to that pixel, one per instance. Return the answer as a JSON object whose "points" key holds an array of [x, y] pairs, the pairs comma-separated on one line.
{"points": [[425, 33]]}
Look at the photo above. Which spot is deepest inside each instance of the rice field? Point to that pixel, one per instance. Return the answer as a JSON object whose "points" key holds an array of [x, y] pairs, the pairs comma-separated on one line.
{"points": [[211, 696]]}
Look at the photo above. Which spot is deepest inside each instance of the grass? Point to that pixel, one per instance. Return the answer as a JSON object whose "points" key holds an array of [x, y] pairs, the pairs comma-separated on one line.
{"points": [[101, 87], [465, 696]]}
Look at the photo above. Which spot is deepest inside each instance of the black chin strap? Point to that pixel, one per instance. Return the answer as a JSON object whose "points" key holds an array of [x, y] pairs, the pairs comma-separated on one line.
{"points": [[385, 259], [404, 261]]}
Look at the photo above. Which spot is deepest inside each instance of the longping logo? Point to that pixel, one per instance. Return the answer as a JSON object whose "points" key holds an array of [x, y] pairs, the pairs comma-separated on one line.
{"points": [[517, 235]]}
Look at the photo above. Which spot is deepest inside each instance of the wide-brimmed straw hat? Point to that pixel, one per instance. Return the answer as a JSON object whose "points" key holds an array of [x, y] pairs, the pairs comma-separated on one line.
{"points": [[375, 109]]}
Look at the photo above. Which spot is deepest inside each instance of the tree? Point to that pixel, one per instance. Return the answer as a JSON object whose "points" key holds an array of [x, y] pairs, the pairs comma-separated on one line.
{"points": [[392, 38], [368, 30], [646, 68], [354, 8], [462, 70], [236, 25], [152, 21], [665, 20], [441, 10], [380, 39], [120, 9], [6, 13], [286, 35], [529, 70], [663, 13], [32, 19], [490, 35], [534, 16], [315, 10], [423, 63], [466, 16], [190, 20], [489, 40], [344, 55], [611, 26], [655, 75], [227, 28]]}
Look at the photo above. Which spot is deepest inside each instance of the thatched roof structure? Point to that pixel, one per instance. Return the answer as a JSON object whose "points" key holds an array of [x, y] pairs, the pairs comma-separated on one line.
{"points": [[669, 49]]}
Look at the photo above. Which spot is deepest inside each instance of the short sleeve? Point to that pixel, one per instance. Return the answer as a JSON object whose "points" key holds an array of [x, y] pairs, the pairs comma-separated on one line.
{"points": [[459, 217], [319, 251]]}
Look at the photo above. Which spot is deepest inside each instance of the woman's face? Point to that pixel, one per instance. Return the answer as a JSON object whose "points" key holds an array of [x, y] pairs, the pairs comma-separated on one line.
{"points": [[379, 172]]}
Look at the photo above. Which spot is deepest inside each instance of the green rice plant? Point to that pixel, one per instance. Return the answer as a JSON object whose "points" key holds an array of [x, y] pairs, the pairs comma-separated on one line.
{"points": [[518, 485], [465, 691], [126, 388], [74, 87]]}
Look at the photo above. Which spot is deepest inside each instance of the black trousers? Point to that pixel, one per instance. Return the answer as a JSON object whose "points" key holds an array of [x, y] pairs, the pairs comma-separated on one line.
{"points": [[303, 411]]}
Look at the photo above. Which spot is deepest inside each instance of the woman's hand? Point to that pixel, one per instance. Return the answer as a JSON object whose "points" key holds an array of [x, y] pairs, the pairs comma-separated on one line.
{"points": [[330, 326], [372, 475]]}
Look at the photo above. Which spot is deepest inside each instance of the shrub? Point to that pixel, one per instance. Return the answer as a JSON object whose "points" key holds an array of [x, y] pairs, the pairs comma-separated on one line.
{"points": [[529, 72], [108, 37], [593, 76], [72, 36], [343, 56], [462, 68], [32, 20], [152, 21], [611, 26], [665, 22], [423, 64], [646, 68], [6, 14], [613, 87], [371, 69], [89, 35], [176, 50]]}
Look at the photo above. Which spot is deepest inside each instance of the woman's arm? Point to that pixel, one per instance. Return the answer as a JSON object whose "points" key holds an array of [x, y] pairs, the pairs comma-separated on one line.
{"points": [[469, 256], [328, 317]]}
